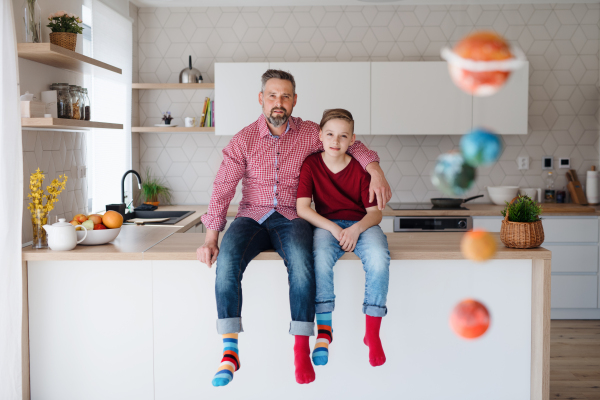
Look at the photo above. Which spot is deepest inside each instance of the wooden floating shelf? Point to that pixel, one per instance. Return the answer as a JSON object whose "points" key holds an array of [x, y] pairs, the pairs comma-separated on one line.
{"points": [[66, 124], [59, 57], [164, 86], [176, 129]]}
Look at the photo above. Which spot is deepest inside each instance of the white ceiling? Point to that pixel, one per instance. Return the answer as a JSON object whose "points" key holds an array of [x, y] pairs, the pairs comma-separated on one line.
{"points": [[300, 3]]}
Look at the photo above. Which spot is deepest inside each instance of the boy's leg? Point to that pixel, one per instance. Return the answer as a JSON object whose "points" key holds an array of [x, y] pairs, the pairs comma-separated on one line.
{"points": [[326, 252], [372, 248], [293, 241], [243, 241]]}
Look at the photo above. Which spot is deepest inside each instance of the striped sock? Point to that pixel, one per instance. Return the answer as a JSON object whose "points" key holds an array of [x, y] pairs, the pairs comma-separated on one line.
{"points": [[320, 354], [230, 362]]}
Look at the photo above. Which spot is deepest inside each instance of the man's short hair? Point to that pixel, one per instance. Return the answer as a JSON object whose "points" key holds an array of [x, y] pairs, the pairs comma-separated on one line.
{"points": [[337, 113], [279, 74]]}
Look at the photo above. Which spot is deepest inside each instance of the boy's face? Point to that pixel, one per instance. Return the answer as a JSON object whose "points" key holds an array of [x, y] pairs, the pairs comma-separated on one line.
{"points": [[336, 136]]}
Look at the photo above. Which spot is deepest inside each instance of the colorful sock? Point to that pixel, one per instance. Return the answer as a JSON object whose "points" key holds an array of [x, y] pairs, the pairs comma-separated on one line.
{"points": [[230, 362], [305, 372], [320, 354], [376, 354]]}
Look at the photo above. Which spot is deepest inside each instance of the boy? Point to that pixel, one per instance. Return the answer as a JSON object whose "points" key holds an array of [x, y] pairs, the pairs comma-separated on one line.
{"points": [[344, 220]]}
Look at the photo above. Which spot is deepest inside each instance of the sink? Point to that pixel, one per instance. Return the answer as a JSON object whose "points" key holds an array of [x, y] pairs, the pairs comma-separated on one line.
{"points": [[174, 216]]}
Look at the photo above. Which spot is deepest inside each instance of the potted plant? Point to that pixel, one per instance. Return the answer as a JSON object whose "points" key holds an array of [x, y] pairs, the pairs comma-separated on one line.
{"points": [[153, 189], [522, 227], [65, 27], [167, 118]]}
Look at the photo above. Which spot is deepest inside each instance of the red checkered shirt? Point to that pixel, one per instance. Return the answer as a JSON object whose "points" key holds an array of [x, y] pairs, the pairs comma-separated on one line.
{"points": [[265, 162]]}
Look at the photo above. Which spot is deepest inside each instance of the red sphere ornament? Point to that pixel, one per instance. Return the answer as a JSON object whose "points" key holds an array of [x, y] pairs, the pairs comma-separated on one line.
{"points": [[470, 319]]}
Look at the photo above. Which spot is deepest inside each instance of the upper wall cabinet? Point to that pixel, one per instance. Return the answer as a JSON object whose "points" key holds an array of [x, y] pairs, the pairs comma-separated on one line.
{"points": [[417, 98], [506, 111], [324, 85], [236, 95]]}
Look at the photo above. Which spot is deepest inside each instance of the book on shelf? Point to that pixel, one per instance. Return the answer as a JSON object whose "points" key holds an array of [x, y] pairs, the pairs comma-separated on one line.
{"points": [[212, 119], [204, 111]]}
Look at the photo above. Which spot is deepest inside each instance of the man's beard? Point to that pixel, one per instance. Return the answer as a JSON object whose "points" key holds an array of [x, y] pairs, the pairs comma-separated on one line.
{"points": [[278, 121]]}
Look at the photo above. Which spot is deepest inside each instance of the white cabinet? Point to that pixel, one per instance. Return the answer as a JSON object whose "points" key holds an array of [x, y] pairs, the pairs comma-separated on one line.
{"points": [[506, 111], [574, 291], [417, 98], [324, 85], [236, 95]]}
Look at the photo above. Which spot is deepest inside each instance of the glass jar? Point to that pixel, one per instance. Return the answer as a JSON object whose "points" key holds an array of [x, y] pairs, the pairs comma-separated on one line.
{"points": [[38, 220], [63, 101], [33, 21], [76, 102], [87, 104], [82, 103]]}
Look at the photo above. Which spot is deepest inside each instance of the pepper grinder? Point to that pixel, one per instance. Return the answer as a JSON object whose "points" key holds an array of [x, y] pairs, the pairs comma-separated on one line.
{"points": [[591, 186]]}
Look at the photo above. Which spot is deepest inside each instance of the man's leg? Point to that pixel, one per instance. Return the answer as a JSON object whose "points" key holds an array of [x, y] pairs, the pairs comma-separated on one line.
{"points": [[293, 241], [243, 241]]}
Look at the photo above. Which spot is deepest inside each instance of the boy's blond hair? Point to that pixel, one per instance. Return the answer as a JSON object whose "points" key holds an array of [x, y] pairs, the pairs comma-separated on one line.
{"points": [[337, 113]]}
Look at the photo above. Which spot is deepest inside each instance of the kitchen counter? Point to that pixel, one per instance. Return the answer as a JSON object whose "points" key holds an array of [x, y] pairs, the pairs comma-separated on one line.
{"points": [[480, 210]]}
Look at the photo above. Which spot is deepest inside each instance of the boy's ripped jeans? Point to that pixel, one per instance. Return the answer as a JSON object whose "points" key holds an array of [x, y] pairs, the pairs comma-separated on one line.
{"points": [[371, 248]]}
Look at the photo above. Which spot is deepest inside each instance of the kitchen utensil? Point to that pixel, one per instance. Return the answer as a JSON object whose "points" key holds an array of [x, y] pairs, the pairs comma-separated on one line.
{"points": [[100, 236], [190, 75], [534, 194], [62, 235], [575, 189], [591, 186], [451, 203], [501, 194], [190, 122]]}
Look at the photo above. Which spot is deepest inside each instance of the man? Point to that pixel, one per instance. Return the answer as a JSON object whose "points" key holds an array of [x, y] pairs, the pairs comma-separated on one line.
{"points": [[267, 155]]}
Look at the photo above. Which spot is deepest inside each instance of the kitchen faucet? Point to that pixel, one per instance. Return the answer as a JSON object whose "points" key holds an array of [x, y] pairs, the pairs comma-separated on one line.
{"points": [[139, 179]]}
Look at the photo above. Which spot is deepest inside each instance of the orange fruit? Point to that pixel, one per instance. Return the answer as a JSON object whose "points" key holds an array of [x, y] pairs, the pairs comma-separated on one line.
{"points": [[478, 245], [112, 219], [470, 319]]}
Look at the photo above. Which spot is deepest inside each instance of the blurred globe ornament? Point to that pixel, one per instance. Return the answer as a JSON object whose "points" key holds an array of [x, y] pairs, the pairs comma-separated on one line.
{"points": [[469, 319], [480, 147], [478, 245], [452, 175], [481, 62]]}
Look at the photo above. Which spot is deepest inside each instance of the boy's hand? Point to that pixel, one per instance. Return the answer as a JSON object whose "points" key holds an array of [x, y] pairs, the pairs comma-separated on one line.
{"points": [[349, 237]]}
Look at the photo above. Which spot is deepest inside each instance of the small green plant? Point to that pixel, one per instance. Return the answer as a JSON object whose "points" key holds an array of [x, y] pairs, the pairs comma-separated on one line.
{"points": [[154, 188], [62, 21], [523, 209]]}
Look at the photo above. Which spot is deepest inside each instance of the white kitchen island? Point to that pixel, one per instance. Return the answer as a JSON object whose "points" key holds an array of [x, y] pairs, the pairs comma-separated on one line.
{"points": [[143, 326]]}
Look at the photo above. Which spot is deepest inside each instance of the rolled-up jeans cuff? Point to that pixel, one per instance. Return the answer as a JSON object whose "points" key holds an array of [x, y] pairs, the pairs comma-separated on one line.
{"points": [[229, 325], [375, 311], [301, 328], [327, 306]]}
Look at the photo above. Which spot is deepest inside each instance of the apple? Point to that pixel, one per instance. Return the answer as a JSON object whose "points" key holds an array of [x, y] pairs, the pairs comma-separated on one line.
{"points": [[89, 225], [75, 222], [80, 217], [99, 226], [97, 219]]}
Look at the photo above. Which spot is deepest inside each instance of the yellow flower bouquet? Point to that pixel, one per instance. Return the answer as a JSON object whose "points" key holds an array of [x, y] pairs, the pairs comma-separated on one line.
{"points": [[39, 210]]}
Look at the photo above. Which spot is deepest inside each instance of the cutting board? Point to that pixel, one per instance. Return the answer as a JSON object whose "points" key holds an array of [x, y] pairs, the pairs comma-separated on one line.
{"points": [[575, 189]]}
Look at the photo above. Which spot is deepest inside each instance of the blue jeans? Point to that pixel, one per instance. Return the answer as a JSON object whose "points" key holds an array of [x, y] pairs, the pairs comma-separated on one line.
{"points": [[243, 241], [372, 248]]}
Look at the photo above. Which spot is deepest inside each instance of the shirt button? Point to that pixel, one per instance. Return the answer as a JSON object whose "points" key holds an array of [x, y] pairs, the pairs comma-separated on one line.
{"points": [[276, 194], [277, 169], [277, 153]]}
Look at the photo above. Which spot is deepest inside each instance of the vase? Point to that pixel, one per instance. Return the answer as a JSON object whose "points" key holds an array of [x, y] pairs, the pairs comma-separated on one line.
{"points": [[64, 39], [40, 237], [32, 18]]}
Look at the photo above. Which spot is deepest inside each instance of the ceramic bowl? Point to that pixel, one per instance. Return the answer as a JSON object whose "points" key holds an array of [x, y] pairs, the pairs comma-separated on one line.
{"points": [[101, 236], [501, 194]]}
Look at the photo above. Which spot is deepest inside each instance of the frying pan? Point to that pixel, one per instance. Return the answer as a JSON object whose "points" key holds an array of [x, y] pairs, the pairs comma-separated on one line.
{"points": [[451, 203]]}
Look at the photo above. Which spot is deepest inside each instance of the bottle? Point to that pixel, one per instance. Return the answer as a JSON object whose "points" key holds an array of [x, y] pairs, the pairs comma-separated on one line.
{"points": [[549, 193], [75, 102], [87, 104], [63, 101], [82, 103]]}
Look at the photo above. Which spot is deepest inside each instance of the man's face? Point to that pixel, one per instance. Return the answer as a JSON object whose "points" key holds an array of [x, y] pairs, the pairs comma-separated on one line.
{"points": [[277, 101]]}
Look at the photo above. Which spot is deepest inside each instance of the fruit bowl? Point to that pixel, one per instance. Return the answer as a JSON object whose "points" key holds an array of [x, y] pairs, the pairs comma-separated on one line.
{"points": [[100, 236]]}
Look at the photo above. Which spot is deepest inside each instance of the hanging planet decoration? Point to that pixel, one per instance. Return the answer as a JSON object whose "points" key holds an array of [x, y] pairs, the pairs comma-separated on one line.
{"points": [[478, 245], [481, 62], [480, 147], [452, 175], [470, 319]]}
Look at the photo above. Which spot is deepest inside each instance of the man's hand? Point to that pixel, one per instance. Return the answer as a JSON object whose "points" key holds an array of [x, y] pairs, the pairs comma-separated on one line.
{"points": [[349, 237], [336, 231], [379, 187], [209, 251]]}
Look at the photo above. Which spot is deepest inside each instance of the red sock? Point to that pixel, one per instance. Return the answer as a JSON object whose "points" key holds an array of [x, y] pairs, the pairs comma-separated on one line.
{"points": [[376, 354], [305, 372]]}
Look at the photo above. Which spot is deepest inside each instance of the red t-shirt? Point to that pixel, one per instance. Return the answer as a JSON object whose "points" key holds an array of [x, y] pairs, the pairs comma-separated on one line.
{"points": [[344, 195]]}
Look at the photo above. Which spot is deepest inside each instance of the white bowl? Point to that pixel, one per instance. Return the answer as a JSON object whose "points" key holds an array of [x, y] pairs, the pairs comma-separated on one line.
{"points": [[501, 194], [100, 236]]}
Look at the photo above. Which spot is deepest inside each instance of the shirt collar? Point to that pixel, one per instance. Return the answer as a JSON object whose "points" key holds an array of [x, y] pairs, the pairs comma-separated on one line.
{"points": [[263, 128]]}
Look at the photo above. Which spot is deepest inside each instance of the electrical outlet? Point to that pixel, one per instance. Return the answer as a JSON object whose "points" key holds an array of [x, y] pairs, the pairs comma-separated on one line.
{"points": [[523, 162]]}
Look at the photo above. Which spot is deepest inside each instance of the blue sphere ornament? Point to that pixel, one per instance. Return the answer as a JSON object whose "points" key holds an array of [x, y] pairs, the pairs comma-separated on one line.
{"points": [[452, 175], [480, 147]]}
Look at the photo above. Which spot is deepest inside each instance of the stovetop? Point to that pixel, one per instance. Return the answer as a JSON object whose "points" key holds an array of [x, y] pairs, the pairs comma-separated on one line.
{"points": [[421, 206]]}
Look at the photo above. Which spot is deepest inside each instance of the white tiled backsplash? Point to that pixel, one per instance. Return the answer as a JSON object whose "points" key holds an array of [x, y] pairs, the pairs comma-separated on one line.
{"points": [[561, 43]]}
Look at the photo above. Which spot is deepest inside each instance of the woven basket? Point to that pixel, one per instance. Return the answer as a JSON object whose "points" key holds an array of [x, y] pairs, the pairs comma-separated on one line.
{"points": [[521, 235], [64, 39]]}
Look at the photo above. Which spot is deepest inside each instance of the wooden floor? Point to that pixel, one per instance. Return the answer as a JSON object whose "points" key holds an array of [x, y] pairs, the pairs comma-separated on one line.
{"points": [[575, 359]]}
